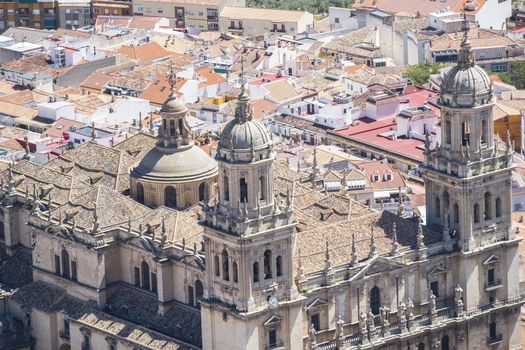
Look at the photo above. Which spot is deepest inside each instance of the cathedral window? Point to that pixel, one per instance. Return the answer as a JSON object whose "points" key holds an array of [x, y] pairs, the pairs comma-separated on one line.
{"points": [[465, 132], [145, 275], [73, 270], [217, 264], [226, 188], [484, 131], [488, 206], [267, 264], [154, 282], [137, 276], [225, 266], [490, 277], [456, 213], [140, 193], [235, 272], [256, 271], [476, 213], [444, 342], [199, 291], [65, 263], [170, 197], [498, 207], [243, 187], [57, 264], [448, 131], [272, 338], [191, 296], [315, 320], [262, 190], [203, 189], [434, 287], [279, 266], [492, 331], [375, 300], [437, 207]]}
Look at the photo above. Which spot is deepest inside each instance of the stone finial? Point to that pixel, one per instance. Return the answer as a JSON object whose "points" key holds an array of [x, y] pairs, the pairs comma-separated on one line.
{"points": [[339, 328], [327, 261], [395, 244], [354, 254], [11, 180], [93, 132], [151, 124], [420, 237], [129, 225], [300, 268], [373, 247], [49, 207], [313, 336], [507, 142], [96, 224], [140, 121]]}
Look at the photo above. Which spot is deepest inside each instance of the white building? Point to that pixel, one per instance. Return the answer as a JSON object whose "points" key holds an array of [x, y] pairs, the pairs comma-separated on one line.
{"points": [[342, 18]]}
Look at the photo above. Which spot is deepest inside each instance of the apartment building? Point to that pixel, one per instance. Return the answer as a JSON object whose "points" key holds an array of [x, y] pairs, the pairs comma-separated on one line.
{"points": [[111, 7], [250, 22], [73, 13], [28, 13], [194, 14]]}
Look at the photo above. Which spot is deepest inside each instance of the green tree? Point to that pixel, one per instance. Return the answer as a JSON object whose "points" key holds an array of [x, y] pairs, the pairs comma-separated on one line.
{"points": [[420, 73], [313, 6], [515, 77]]}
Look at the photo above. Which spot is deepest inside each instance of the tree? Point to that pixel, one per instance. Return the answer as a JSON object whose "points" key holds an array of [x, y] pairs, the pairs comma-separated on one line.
{"points": [[420, 73], [515, 77], [313, 6]]}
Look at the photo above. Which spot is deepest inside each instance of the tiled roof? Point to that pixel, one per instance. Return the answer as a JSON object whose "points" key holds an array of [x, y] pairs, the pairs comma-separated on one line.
{"points": [[479, 38], [372, 168], [97, 80], [137, 145], [281, 91], [417, 7], [146, 52], [61, 126], [352, 42], [263, 108], [252, 13]]}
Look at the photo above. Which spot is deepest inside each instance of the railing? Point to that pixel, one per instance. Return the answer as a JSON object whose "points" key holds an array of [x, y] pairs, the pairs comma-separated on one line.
{"points": [[213, 18], [235, 28], [494, 283]]}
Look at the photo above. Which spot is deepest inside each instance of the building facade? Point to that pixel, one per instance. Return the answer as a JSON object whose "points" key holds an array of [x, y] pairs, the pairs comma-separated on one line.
{"points": [[32, 13]]}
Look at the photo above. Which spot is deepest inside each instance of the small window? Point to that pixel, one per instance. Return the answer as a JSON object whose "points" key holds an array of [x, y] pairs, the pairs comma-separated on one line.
{"points": [[434, 287], [217, 264], [279, 266], [315, 321], [272, 338], [66, 327], [490, 277]]}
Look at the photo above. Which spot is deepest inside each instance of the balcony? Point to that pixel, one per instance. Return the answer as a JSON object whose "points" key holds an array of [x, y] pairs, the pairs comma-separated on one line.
{"points": [[213, 18], [498, 338], [236, 28], [493, 285], [275, 30]]}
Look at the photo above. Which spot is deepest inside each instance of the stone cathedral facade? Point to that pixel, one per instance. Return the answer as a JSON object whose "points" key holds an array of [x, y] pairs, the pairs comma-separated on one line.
{"points": [[265, 261]]}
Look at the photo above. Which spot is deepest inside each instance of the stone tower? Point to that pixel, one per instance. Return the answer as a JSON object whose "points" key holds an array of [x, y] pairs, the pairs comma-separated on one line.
{"points": [[250, 299], [468, 192]]}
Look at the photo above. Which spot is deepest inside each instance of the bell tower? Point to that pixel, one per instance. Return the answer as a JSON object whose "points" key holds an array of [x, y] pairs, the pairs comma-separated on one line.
{"points": [[468, 185], [248, 239]]}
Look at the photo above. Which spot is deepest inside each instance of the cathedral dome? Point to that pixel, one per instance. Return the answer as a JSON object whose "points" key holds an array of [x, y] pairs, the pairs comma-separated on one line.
{"points": [[173, 106], [172, 165], [244, 135], [466, 84]]}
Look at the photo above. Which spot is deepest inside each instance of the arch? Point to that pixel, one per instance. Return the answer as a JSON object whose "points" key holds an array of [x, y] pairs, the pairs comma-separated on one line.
{"points": [[498, 207], [225, 265], [262, 188], [476, 213], [448, 130], [235, 272], [256, 271], [216, 266], [170, 197], [279, 266], [203, 191], [226, 186], [267, 264], [243, 188], [445, 343], [456, 213], [488, 206], [375, 300], [437, 207], [65, 263], [144, 267], [140, 193]]}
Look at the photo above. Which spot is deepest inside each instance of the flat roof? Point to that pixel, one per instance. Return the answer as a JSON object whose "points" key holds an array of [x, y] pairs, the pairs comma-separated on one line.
{"points": [[23, 47]]}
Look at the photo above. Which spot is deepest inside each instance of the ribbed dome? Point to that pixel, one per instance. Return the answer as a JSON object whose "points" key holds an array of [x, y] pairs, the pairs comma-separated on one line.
{"points": [[466, 86], [244, 135], [172, 165], [173, 105]]}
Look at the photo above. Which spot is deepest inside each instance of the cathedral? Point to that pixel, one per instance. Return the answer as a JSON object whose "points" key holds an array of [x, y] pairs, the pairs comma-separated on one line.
{"points": [[152, 244]]}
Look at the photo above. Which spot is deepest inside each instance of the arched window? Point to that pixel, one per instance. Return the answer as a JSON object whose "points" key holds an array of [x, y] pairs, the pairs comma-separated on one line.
{"points": [[484, 131], [456, 213], [140, 193], [437, 207], [256, 271], [199, 291], [446, 201], [448, 136], [243, 186], [498, 207], [226, 188], [267, 264], [216, 267], [465, 132], [492, 331], [375, 300], [170, 197], [262, 189], [488, 206], [65, 263], [420, 346], [145, 275], [225, 265], [444, 343], [235, 272], [279, 266], [203, 189], [476, 213]]}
